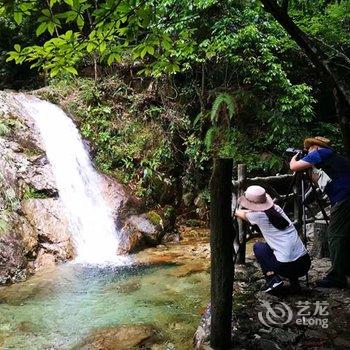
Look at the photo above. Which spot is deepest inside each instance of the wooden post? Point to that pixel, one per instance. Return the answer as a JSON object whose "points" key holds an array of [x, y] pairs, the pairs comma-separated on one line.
{"points": [[222, 254], [242, 237]]}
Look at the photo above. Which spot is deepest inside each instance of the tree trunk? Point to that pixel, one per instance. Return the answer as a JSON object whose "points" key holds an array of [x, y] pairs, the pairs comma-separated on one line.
{"points": [[343, 113], [221, 245], [318, 58], [242, 234]]}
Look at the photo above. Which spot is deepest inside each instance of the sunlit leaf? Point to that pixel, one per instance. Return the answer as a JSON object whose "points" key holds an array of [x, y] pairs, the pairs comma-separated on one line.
{"points": [[103, 46], [41, 29], [51, 27], [69, 2], [80, 21], [71, 70], [18, 17], [90, 47]]}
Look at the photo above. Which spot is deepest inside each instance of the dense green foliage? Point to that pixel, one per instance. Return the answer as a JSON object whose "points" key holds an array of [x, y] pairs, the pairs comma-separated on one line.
{"points": [[178, 64]]}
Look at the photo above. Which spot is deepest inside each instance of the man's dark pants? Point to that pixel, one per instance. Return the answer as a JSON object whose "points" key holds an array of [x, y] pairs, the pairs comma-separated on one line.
{"points": [[339, 240]]}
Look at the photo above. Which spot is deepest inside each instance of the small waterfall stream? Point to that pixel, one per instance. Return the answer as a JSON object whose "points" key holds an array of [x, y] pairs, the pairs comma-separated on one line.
{"points": [[90, 219]]}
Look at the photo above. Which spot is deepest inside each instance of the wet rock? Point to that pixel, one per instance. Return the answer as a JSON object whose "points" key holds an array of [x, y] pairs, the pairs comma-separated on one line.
{"points": [[149, 225], [201, 336], [20, 171], [12, 259], [202, 205], [119, 338], [44, 260], [131, 240], [46, 215], [123, 203], [40, 178], [27, 234], [149, 230], [141, 231]]}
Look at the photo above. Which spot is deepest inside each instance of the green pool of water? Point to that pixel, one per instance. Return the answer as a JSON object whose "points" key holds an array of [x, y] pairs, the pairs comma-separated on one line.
{"points": [[57, 309]]}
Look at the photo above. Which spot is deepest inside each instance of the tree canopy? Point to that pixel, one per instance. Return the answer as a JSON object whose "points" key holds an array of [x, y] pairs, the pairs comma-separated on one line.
{"points": [[233, 46]]}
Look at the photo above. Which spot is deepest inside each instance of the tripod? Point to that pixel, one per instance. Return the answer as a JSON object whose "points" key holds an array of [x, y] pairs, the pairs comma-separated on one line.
{"points": [[300, 181]]}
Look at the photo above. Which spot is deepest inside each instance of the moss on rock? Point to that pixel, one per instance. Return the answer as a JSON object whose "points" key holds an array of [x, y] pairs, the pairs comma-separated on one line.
{"points": [[155, 218]]}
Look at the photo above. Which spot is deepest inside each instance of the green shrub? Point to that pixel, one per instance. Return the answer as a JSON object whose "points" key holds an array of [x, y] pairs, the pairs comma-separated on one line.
{"points": [[31, 192]]}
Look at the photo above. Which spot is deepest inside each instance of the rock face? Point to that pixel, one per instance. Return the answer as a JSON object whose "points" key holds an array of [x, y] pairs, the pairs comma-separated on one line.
{"points": [[33, 230], [51, 229]]}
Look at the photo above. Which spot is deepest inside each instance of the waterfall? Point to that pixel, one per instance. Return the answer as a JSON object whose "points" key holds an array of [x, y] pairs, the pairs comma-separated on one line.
{"points": [[79, 185]]}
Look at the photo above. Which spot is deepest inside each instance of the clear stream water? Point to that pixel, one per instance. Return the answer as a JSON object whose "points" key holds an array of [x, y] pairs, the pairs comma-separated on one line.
{"points": [[57, 309]]}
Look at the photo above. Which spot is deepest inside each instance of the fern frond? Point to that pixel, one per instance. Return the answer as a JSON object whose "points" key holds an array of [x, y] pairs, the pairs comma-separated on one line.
{"points": [[225, 99], [209, 138], [197, 119]]}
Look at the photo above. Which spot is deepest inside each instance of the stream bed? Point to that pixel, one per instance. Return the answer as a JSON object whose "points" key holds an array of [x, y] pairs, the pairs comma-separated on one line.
{"points": [[59, 308]]}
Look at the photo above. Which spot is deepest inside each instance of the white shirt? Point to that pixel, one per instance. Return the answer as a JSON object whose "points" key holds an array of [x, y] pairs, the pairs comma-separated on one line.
{"points": [[286, 244]]}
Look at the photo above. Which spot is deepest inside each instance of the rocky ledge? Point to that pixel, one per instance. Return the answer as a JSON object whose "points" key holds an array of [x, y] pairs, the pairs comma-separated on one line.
{"points": [[310, 318]]}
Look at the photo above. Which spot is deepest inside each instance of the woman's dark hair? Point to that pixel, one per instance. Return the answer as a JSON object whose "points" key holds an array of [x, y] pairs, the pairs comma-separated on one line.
{"points": [[276, 219]]}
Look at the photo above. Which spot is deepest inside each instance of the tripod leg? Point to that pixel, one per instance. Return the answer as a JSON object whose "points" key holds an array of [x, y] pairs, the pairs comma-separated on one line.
{"points": [[303, 216]]}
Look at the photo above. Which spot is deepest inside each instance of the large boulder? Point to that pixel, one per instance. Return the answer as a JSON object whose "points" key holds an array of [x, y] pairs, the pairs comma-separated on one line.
{"points": [[138, 228], [147, 230], [122, 202]]}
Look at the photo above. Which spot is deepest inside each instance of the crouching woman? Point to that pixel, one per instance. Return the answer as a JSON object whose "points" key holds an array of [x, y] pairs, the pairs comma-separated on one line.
{"points": [[283, 254]]}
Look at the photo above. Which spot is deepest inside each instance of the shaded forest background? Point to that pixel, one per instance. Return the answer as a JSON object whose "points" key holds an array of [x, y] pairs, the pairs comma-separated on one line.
{"points": [[145, 80]]}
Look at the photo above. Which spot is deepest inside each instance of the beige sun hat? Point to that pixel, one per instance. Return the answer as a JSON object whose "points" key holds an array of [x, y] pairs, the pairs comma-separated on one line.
{"points": [[318, 141], [255, 198]]}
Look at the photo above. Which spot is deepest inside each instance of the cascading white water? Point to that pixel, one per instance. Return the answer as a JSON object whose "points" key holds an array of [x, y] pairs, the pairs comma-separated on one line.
{"points": [[90, 219]]}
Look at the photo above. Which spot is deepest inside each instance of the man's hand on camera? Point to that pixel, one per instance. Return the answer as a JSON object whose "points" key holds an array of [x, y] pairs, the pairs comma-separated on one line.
{"points": [[298, 165]]}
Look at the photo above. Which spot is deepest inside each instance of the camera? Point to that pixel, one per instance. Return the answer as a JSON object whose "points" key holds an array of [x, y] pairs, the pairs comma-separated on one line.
{"points": [[291, 151]]}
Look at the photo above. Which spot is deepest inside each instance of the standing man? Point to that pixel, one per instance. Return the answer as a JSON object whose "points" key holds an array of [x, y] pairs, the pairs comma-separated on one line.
{"points": [[336, 182]]}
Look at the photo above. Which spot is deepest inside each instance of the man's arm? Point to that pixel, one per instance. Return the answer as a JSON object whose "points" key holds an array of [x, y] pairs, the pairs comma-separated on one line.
{"points": [[297, 165]]}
